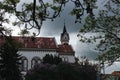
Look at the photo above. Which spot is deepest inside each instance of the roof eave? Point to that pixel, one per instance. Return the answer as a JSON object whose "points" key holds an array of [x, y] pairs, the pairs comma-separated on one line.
{"points": [[36, 49]]}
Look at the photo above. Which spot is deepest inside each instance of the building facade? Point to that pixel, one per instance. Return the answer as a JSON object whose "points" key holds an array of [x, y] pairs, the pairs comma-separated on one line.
{"points": [[33, 49]]}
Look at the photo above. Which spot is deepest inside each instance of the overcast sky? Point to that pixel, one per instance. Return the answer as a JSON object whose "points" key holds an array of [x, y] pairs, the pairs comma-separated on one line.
{"points": [[55, 28]]}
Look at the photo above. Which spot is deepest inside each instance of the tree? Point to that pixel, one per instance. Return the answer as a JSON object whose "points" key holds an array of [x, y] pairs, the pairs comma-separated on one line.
{"points": [[62, 71], [33, 15], [24, 32], [106, 28], [89, 70], [9, 60], [51, 59], [51, 9], [42, 72]]}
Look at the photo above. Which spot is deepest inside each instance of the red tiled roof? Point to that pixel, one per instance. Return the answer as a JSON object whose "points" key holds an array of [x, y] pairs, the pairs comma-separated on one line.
{"points": [[41, 43], [65, 49], [116, 73], [2, 40], [34, 42]]}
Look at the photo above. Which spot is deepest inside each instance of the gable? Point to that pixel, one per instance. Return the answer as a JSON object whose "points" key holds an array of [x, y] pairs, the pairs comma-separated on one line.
{"points": [[65, 49]]}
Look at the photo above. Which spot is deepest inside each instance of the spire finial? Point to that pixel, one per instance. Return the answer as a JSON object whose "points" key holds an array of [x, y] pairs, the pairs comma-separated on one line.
{"points": [[64, 22], [64, 29]]}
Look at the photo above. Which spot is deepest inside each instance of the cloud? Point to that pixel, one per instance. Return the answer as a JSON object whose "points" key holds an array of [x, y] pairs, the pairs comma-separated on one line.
{"points": [[55, 28], [88, 50]]}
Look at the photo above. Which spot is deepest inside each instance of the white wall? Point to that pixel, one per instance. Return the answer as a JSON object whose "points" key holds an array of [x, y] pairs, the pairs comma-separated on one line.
{"points": [[30, 54], [69, 58]]}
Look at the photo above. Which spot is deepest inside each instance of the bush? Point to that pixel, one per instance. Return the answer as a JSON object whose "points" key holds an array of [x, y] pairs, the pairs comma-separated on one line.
{"points": [[62, 71], [52, 59]]}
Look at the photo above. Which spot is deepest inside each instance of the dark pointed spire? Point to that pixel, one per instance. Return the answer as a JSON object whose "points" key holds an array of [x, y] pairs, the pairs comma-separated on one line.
{"points": [[64, 29], [64, 36]]}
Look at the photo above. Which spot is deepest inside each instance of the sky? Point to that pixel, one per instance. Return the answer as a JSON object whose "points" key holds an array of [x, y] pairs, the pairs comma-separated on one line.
{"points": [[55, 28]]}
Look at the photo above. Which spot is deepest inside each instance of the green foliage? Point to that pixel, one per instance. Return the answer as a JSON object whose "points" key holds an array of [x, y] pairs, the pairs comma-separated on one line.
{"points": [[67, 71], [41, 72], [12, 1], [36, 12], [106, 29], [17, 23], [9, 60], [52, 59], [110, 56], [106, 24], [62, 71], [24, 32], [56, 8], [8, 5], [76, 11]]}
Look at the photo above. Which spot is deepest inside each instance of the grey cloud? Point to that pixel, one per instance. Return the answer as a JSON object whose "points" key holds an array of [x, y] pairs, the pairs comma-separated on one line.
{"points": [[87, 50], [54, 28]]}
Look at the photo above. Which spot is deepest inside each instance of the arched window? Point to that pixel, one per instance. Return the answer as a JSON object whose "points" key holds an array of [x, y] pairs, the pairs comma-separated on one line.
{"points": [[65, 59], [24, 63], [35, 60]]}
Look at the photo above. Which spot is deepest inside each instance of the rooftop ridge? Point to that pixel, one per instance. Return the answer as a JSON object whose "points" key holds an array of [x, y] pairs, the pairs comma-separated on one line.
{"points": [[35, 36]]}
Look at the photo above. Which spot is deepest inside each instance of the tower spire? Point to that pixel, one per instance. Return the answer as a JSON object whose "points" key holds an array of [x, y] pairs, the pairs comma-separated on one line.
{"points": [[64, 36], [64, 29]]}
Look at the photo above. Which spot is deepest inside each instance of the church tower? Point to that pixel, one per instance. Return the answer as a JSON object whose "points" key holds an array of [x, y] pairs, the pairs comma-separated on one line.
{"points": [[64, 36]]}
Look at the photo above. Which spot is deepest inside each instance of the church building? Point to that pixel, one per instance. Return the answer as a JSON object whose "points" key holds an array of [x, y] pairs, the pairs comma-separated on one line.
{"points": [[35, 48]]}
